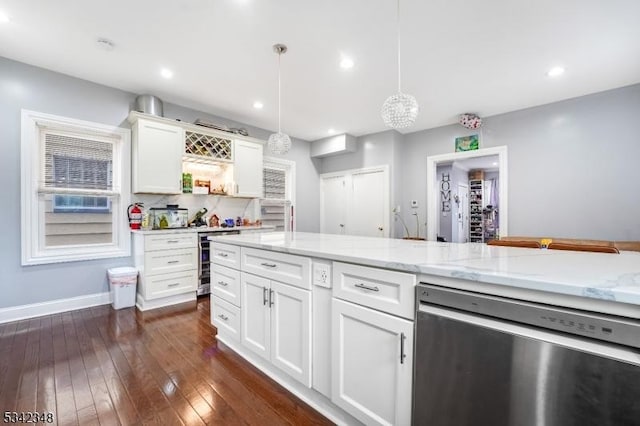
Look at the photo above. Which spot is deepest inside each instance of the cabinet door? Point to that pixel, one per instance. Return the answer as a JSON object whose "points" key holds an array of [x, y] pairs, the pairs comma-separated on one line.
{"points": [[370, 378], [247, 169], [291, 331], [157, 158], [255, 320]]}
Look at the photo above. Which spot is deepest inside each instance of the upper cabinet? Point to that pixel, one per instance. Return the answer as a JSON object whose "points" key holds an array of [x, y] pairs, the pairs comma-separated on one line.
{"points": [[163, 149], [156, 157], [248, 169]]}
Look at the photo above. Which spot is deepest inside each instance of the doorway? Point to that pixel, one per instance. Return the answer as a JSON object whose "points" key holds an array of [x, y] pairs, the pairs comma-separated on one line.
{"points": [[435, 206]]}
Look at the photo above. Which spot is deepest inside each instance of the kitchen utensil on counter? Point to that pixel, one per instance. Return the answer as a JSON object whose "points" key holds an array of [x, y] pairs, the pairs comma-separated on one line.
{"points": [[149, 104], [229, 222], [238, 221], [214, 221]]}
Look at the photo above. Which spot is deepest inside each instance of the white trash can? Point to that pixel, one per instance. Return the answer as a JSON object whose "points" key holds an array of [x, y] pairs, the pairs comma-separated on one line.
{"points": [[123, 286]]}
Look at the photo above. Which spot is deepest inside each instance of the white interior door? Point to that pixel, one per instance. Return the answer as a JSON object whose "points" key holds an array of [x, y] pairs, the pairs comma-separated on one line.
{"points": [[255, 321], [333, 205], [369, 204]]}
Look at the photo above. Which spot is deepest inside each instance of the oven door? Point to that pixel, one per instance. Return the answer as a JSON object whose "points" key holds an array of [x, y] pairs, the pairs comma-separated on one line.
{"points": [[475, 370]]}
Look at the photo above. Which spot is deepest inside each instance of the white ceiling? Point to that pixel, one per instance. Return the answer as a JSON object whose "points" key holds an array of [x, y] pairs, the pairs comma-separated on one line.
{"points": [[486, 57]]}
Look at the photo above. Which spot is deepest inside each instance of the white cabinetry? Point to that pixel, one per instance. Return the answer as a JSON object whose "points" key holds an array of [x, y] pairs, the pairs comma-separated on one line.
{"points": [[372, 364], [168, 268], [372, 349], [157, 157], [247, 170], [276, 324], [268, 316]]}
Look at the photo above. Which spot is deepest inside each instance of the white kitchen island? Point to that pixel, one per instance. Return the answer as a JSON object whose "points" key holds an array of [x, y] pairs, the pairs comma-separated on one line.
{"points": [[331, 317]]}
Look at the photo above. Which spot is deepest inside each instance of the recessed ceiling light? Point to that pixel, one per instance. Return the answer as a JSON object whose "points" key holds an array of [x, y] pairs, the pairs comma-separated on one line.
{"points": [[346, 63], [258, 105], [166, 73], [331, 131], [4, 17], [555, 72]]}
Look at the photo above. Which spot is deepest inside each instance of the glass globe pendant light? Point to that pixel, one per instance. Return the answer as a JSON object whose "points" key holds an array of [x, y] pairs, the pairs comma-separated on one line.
{"points": [[279, 143], [399, 110]]}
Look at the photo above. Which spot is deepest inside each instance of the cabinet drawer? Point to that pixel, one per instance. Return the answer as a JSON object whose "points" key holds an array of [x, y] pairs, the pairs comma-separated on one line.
{"points": [[225, 284], [286, 268], [225, 255], [170, 284], [170, 241], [225, 317], [388, 291], [164, 261]]}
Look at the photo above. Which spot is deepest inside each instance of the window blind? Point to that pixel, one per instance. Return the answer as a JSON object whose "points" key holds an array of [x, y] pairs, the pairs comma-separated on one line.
{"points": [[275, 181], [76, 165]]}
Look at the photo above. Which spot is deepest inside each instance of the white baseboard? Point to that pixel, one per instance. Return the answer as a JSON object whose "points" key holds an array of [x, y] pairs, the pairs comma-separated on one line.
{"points": [[16, 313], [146, 305]]}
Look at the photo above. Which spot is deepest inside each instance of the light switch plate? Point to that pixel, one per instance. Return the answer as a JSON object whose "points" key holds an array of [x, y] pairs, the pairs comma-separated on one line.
{"points": [[322, 273]]}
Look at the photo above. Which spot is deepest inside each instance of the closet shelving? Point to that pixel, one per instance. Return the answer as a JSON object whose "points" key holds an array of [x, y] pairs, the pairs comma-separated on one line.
{"points": [[476, 222]]}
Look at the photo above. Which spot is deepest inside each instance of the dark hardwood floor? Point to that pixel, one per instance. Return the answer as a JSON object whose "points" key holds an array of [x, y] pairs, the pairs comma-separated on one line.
{"points": [[108, 367]]}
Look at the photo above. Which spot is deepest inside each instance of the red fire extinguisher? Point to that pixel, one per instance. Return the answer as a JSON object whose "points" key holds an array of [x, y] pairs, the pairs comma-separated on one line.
{"points": [[134, 212]]}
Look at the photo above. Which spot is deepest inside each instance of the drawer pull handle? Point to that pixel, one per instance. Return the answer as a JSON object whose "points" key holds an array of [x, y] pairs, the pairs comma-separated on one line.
{"points": [[173, 285], [366, 287], [223, 255], [172, 241], [224, 318], [269, 265], [402, 354], [173, 261], [222, 283]]}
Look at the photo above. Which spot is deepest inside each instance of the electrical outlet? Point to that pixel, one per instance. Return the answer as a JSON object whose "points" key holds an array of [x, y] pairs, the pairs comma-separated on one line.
{"points": [[322, 273], [414, 204]]}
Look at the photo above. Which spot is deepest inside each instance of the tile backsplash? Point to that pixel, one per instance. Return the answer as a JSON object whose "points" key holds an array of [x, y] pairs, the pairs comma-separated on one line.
{"points": [[224, 207]]}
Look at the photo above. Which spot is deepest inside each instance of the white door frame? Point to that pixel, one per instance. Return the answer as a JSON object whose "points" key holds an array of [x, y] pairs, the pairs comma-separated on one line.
{"points": [[348, 174], [433, 222]]}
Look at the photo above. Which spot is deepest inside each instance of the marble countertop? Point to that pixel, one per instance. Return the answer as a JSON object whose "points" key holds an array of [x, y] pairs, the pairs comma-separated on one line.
{"points": [[612, 277], [203, 229]]}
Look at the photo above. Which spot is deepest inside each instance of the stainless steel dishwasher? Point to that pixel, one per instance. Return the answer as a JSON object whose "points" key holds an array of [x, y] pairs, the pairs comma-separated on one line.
{"points": [[486, 360]]}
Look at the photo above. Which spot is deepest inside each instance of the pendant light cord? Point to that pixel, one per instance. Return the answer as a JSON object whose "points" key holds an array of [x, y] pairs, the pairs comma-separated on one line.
{"points": [[279, 95], [398, 33]]}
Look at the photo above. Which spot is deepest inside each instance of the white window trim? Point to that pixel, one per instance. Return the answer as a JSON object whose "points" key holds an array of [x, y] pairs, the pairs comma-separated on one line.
{"points": [[32, 226], [290, 172]]}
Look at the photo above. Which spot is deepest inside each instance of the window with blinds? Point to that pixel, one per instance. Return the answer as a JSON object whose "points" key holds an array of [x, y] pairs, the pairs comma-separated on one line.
{"points": [[76, 210], [79, 167], [276, 205]]}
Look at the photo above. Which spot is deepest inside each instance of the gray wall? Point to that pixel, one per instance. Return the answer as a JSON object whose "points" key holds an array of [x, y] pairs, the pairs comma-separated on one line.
{"points": [[24, 86], [573, 165]]}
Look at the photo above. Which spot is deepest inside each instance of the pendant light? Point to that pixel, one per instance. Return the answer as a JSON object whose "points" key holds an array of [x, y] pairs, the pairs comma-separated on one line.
{"points": [[399, 110], [279, 143]]}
